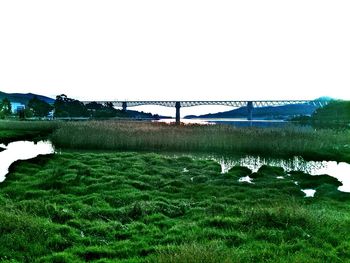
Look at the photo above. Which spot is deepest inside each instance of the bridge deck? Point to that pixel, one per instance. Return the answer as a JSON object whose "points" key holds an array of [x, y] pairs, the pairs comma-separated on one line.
{"points": [[236, 103]]}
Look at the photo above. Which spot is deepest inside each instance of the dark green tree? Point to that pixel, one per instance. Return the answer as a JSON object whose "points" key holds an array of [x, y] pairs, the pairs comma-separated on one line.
{"points": [[40, 108], [5, 108], [335, 111], [94, 106], [99, 110], [67, 107]]}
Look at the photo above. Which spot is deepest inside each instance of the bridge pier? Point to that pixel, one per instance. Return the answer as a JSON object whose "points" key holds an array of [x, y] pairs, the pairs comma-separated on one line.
{"points": [[177, 106], [124, 105], [250, 108]]}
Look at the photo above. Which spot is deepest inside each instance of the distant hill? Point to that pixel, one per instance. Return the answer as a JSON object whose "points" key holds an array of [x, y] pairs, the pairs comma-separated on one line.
{"points": [[24, 98], [269, 112]]}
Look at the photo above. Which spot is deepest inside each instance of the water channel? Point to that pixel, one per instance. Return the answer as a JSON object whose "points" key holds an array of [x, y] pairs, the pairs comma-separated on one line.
{"points": [[237, 122], [21, 150]]}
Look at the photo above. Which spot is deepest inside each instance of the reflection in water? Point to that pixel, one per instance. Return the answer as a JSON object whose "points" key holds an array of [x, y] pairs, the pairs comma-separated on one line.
{"points": [[237, 122], [255, 162], [184, 121], [341, 170], [21, 150]]}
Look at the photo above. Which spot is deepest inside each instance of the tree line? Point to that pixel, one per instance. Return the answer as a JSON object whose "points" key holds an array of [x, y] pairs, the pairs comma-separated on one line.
{"points": [[335, 112], [65, 107]]}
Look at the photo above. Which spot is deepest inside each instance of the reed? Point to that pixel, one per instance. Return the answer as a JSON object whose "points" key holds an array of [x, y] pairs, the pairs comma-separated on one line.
{"points": [[28, 125], [25, 130], [142, 136]]}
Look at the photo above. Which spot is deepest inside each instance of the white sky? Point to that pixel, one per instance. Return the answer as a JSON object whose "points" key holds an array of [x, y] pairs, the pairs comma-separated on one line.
{"points": [[176, 50]]}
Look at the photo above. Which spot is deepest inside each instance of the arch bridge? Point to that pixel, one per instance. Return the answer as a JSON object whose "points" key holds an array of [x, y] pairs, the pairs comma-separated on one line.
{"points": [[234, 103]]}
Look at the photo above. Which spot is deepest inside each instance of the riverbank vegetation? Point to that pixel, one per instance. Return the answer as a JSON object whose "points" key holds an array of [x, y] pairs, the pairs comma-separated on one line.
{"points": [[139, 207], [335, 111], [328, 144], [334, 114], [137, 136], [320, 144], [23, 130]]}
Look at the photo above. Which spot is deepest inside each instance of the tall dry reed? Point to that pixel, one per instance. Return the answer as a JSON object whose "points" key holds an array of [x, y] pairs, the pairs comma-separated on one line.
{"points": [[111, 135]]}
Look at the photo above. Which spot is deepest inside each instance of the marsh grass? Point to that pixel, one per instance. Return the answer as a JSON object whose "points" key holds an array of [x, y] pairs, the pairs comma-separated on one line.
{"points": [[145, 136], [137, 136], [22, 130], [142, 207], [195, 253]]}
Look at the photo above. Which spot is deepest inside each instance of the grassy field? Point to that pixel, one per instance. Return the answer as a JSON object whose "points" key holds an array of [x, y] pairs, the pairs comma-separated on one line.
{"points": [[136, 136], [139, 207], [109, 204]]}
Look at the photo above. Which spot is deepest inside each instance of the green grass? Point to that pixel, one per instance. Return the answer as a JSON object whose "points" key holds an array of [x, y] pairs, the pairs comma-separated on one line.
{"points": [[22, 130], [286, 142], [142, 207], [28, 125]]}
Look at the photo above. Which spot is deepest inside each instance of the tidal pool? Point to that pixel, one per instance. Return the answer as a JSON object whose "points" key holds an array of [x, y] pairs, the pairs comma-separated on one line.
{"points": [[309, 192], [21, 150], [340, 171]]}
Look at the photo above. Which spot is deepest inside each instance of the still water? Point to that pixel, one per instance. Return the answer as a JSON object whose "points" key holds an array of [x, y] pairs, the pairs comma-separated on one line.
{"points": [[238, 122], [21, 150], [340, 171]]}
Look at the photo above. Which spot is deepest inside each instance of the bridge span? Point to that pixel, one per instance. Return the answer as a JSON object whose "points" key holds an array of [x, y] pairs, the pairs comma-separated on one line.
{"points": [[234, 103]]}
